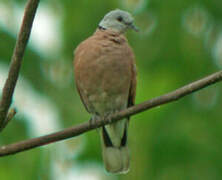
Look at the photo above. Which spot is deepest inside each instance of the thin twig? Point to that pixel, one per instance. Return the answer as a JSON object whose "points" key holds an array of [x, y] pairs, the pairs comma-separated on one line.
{"points": [[84, 127], [17, 57], [11, 114]]}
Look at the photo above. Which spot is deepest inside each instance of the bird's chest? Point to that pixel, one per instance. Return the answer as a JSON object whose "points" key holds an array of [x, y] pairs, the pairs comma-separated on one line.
{"points": [[108, 72]]}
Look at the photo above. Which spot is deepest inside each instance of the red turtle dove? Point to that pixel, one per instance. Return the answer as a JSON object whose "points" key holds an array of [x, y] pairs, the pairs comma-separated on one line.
{"points": [[105, 77]]}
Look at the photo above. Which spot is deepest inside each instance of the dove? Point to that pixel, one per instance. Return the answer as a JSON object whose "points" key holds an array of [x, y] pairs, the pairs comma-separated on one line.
{"points": [[105, 77]]}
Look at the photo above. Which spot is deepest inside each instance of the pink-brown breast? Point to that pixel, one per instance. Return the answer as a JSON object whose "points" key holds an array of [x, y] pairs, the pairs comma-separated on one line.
{"points": [[105, 72]]}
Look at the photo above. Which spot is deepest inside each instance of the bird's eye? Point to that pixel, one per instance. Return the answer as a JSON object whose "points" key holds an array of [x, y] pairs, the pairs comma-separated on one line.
{"points": [[119, 18]]}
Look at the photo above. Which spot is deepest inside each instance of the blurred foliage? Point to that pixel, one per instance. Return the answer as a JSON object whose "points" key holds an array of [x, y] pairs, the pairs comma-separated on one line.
{"points": [[179, 42]]}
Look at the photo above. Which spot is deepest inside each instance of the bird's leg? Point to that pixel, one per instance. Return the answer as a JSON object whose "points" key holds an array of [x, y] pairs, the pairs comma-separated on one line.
{"points": [[108, 116], [93, 120]]}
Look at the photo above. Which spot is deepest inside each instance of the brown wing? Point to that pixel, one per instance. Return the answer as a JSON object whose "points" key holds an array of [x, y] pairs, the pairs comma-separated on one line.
{"points": [[132, 91]]}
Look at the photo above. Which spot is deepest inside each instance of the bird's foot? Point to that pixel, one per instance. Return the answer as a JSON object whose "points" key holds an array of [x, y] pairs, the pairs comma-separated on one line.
{"points": [[108, 117], [93, 120]]}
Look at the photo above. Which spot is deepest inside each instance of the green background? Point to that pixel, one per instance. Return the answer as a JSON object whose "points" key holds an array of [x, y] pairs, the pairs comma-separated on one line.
{"points": [[179, 42]]}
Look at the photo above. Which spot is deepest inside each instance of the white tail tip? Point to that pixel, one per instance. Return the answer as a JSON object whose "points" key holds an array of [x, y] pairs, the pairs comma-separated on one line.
{"points": [[116, 160]]}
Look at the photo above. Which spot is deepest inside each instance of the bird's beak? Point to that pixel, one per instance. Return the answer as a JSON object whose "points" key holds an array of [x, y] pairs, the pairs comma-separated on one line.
{"points": [[133, 27]]}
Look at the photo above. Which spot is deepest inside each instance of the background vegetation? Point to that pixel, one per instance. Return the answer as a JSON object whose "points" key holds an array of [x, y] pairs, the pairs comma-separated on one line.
{"points": [[180, 41]]}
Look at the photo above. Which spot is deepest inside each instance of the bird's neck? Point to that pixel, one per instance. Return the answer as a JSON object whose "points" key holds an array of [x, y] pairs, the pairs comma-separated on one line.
{"points": [[111, 35], [101, 28]]}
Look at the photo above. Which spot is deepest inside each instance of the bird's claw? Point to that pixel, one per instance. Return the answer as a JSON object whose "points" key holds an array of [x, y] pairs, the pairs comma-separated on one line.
{"points": [[93, 121], [108, 118], [105, 118]]}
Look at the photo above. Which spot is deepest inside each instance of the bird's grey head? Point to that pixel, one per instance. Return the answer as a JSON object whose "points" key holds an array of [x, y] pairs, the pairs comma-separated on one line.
{"points": [[118, 20]]}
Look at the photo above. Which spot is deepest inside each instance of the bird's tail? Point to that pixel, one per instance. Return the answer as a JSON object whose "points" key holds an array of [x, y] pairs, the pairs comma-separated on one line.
{"points": [[114, 147]]}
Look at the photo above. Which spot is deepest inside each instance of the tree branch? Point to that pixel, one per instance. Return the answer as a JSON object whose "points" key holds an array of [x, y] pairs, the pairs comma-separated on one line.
{"points": [[16, 59], [84, 127], [10, 115]]}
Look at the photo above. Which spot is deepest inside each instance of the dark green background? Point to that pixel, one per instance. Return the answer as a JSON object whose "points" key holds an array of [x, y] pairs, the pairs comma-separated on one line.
{"points": [[176, 45]]}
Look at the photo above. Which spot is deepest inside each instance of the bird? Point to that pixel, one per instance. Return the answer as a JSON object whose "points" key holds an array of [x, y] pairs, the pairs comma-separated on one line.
{"points": [[105, 77]]}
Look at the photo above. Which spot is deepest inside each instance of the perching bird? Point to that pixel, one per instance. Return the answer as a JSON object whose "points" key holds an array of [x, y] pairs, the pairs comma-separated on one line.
{"points": [[105, 76]]}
